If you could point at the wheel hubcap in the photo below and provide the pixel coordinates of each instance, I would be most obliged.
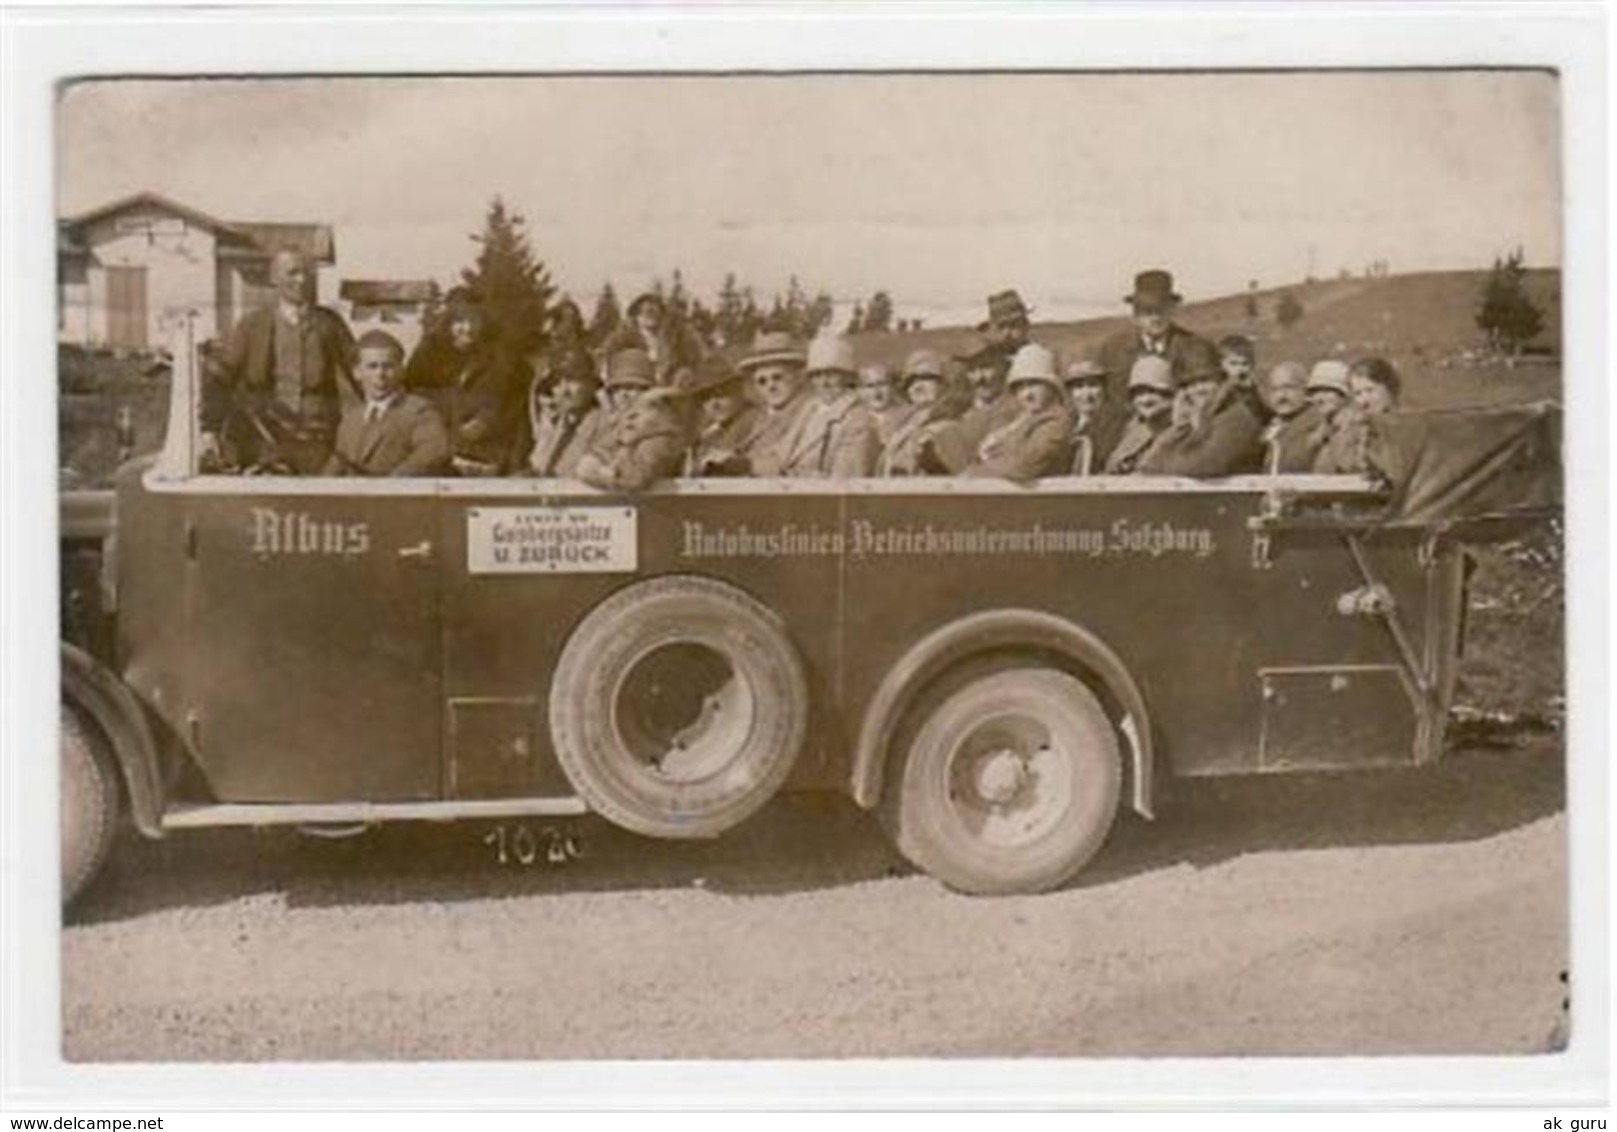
(683, 711)
(1000, 776)
(1010, 781)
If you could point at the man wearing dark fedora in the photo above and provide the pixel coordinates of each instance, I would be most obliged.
(1153, 333)
(1009, 326)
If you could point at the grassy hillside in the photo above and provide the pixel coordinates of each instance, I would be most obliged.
(1423, 323)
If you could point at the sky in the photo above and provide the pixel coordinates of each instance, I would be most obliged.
(937, 188)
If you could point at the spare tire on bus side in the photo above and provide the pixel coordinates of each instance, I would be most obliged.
(678, 707)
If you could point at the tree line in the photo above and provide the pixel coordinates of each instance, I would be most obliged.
(516, 290)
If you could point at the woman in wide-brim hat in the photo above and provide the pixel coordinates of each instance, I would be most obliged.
(723, 417)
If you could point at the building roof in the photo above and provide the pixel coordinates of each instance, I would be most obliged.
(376, 291)
(257, 238)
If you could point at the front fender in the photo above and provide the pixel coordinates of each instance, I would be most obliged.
(115, 710)
(986, 633)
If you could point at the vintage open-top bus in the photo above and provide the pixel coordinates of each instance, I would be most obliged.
(993, 668)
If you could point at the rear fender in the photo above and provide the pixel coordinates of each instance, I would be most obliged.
(114, 709)
(983, 634)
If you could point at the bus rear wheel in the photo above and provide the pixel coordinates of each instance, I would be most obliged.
(89, 799)
(1010, 783)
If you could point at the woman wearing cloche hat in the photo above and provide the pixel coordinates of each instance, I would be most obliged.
(1037, 441)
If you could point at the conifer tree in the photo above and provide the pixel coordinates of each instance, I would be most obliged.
(509, 280)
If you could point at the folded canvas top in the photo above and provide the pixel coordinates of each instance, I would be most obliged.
(1468, 464)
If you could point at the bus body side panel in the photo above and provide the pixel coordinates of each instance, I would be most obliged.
(504, 633)
(1170, 581)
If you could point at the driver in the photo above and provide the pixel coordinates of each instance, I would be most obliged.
(271, 395)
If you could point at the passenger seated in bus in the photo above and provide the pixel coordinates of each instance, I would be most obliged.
(393, 432)
(1151, 395)
(1292, 438)
(1037, 441)
(929, 408)
(879, 390)
(645, 438)
(955, 444)
(1374, 387)
(564, 414)
(1216, 430)
(775, 369)
(838, 439)
(1085, 380)
(477, 385)
(1337, 433)
(722, 418)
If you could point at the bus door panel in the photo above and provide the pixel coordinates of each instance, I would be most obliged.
(313, 617)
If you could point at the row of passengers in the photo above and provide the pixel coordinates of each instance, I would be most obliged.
(811, 422)
(1218, 423)
(804, 418)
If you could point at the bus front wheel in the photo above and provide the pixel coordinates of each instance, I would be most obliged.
(89, 798)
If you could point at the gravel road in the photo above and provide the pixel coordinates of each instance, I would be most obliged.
(1416, 912)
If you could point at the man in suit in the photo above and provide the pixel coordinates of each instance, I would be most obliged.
(272, 394)
(1153, 333)
(392, 432)
(776, 370)
(1293, 436)
(1037, 441)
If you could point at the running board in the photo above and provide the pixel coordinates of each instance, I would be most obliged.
(274, 813)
